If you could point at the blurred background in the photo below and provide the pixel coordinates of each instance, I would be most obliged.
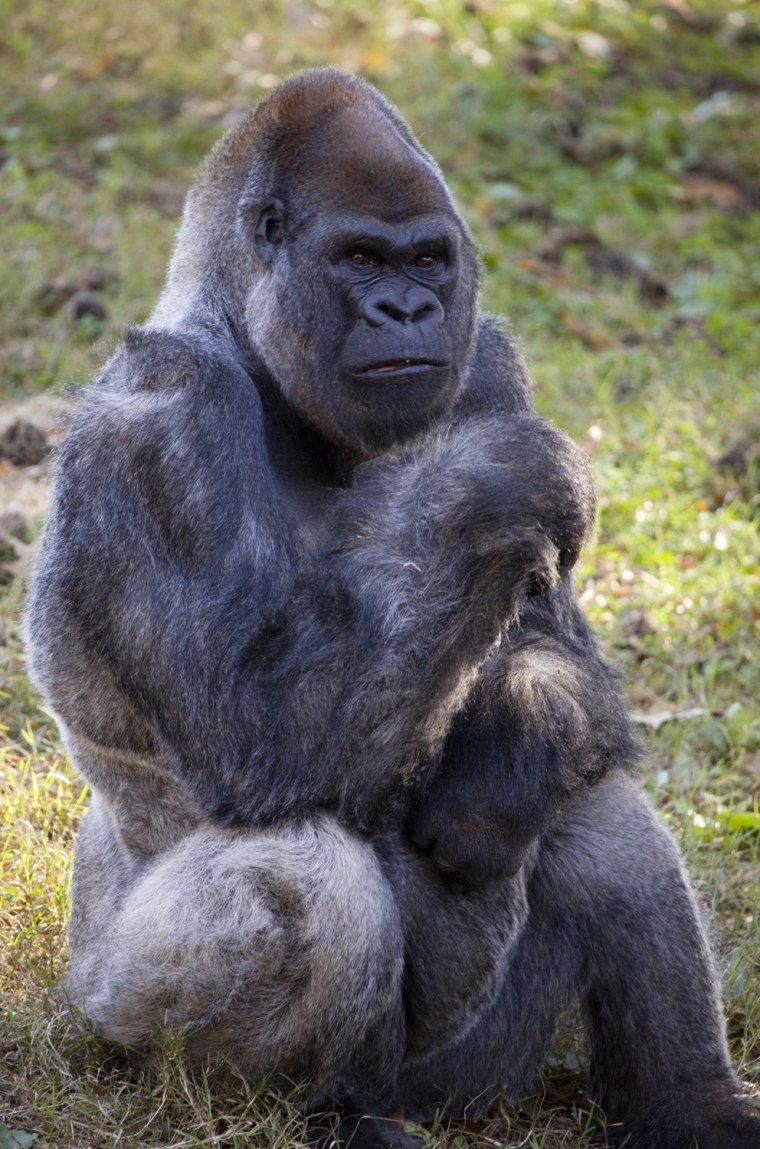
(606, 154)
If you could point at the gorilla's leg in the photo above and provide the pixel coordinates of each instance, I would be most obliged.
(501, 1050)
(650, 991)
(612, 918)
(279, 950)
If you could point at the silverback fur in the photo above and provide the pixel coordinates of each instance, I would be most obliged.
(363, 810)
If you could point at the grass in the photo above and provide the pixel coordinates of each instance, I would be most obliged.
(607, 156)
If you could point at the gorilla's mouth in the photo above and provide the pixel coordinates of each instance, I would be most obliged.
(398, 367)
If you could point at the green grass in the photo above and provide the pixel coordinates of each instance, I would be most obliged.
(607, 157)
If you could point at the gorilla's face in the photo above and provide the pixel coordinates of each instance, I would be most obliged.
(366, 315)
(397, 283)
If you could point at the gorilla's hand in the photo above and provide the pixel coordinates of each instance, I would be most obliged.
(517, 492)
(487, 802)
(528, 476)
(488, 513)
(470, 840)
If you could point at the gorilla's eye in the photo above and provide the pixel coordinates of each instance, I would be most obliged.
(360, 258)
(427, 261)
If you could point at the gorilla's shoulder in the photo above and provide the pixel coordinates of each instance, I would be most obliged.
(157, 375)
(152, 359)
(163, 394)
(497, 379)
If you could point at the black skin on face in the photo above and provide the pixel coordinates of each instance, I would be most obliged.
(383, 334)
(397, 283)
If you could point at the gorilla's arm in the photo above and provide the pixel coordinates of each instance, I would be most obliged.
(545, 716)
(172, 599)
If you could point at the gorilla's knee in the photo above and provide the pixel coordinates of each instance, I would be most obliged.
(258, 946)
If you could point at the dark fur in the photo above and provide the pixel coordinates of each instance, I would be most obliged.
(361, 811)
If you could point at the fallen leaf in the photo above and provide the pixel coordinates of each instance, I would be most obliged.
(593, 335)
(658, 718)
(15, 1138)
(719, 192)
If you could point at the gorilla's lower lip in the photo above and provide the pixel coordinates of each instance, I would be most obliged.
(398, 367)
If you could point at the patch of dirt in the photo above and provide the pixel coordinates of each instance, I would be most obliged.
(25, 490)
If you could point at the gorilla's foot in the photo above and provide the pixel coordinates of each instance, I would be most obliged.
(360, 1123)
(708, 1118)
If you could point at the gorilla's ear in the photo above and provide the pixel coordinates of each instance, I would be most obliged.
(269, 231)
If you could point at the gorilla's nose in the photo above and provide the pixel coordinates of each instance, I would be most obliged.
(401, 305)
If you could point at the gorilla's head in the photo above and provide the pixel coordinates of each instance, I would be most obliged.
(335, 251)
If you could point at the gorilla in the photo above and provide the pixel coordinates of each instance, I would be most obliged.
(363, 811)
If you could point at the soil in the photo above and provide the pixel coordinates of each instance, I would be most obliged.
(25, 490)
